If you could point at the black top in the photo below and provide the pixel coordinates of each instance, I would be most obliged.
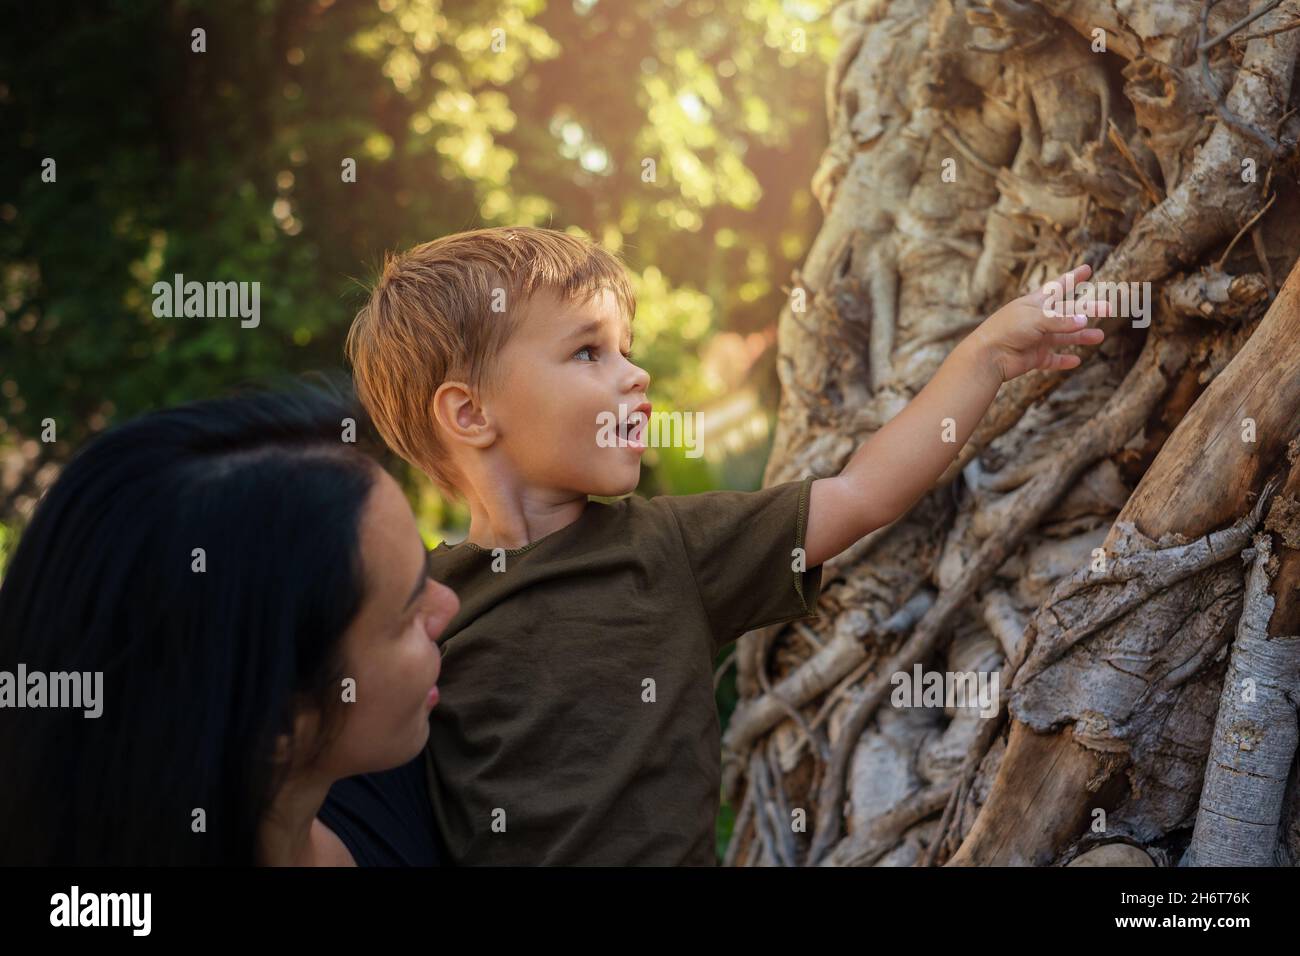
(385, 819)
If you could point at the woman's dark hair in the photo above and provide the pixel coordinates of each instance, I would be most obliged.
(206, 654)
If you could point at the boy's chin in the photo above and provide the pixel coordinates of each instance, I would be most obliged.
(616, 488)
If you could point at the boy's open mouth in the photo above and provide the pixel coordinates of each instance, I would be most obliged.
(631, 430)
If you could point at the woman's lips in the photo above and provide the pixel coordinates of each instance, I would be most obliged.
(432, 700)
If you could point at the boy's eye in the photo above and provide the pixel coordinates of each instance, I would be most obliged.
(591, 352)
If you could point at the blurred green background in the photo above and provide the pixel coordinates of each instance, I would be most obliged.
(226, 165)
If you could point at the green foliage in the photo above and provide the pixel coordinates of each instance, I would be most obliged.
(225, 165)
(7, 541)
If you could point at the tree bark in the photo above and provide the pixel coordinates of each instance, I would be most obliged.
(1091, 545)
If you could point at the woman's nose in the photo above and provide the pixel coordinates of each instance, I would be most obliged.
(443, 607)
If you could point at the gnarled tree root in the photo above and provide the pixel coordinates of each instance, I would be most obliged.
(1255, 737)
(1104, 435)
(1047, 782)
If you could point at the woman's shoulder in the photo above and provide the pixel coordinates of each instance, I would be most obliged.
(327, 848)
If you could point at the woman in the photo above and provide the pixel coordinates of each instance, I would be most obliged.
(252, 589)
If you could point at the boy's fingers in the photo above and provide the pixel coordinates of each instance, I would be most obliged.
(1056, 361)
(1089, 307)
(1055, 287)
(1077, 274)
(1093, 307)
(1062, 323)
(1081, 337)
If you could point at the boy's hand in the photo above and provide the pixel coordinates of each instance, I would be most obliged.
(901, 461)
(1021, 336)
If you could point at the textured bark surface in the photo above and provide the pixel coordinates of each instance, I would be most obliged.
(1119, 544)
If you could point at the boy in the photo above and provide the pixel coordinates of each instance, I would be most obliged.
(577, 723)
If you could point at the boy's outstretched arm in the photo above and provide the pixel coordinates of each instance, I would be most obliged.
(892, 469)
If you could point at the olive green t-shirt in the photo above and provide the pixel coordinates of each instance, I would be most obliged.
(576, 722)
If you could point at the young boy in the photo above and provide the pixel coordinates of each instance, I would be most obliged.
(576, 723)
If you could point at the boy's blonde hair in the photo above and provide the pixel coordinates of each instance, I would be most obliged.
(431, 319)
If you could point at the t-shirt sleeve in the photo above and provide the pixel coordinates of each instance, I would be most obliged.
(745, 551)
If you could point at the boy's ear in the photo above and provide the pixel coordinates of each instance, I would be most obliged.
(457, 412)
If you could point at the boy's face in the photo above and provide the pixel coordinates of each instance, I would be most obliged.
(563, 373)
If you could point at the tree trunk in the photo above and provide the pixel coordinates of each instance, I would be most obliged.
(1118, 546)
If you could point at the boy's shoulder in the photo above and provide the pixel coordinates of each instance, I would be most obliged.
(694, 518)
(739, 552)
(601, 517)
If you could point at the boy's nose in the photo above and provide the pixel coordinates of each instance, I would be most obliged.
(640, 377)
